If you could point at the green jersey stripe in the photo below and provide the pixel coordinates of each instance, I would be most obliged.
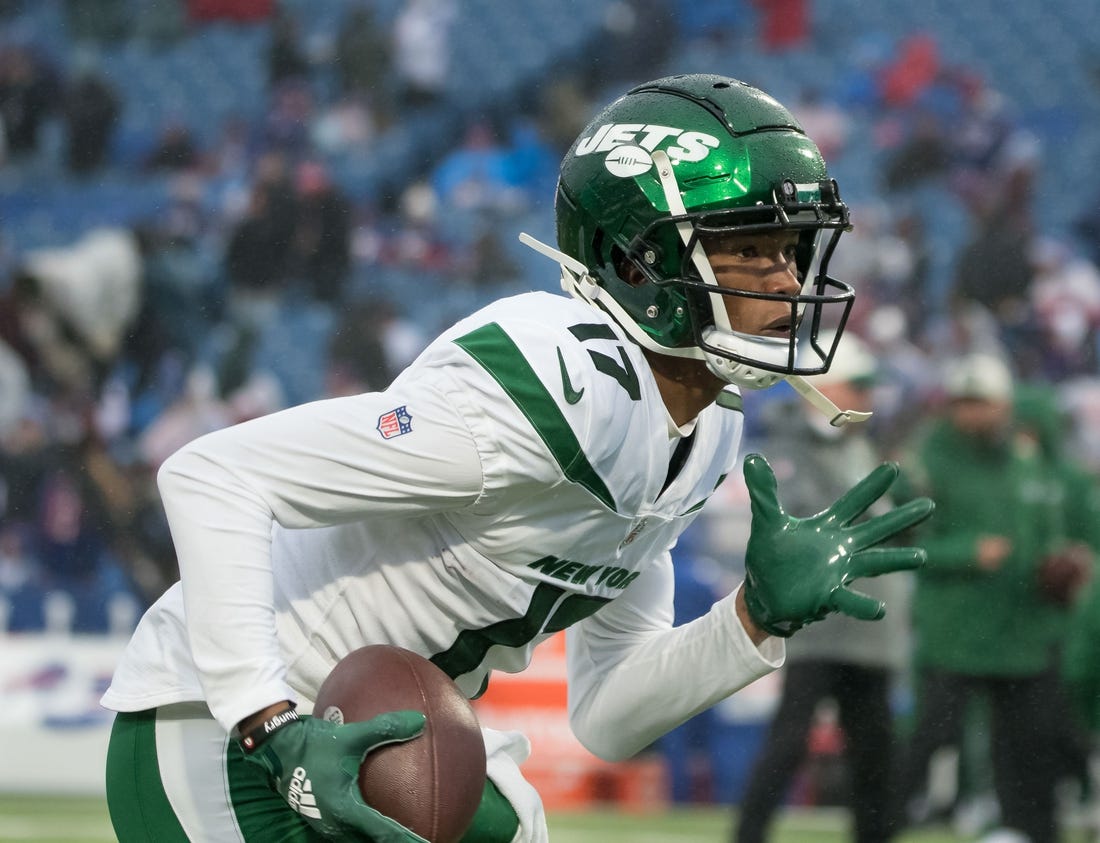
(490, 346)
(551, 609)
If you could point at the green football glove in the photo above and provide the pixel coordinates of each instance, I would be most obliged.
(314, 765)
(797, 570)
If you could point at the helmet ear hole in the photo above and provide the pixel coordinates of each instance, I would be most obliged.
(626, 269)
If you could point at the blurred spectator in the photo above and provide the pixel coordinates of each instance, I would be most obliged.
(239, 11)
(532, 162)
(1080, 669)
(344, 127)
(995, 160)
(994, 268)
(857, 86)
(1080, 664)
(912, 72)
(422, 51)
(1087, 228)
(910, 272)
(837, 659)
(364, 62)
(67, 522)
(357, 357)
(982, 626)
(965, 327)
(160, 23)
(230, 157)
(714, 21)
(882, 258)
(415, 242)
(563, 107)
(29, 90)
(402, 338)
(1065, 297)
(907, 380)
(198, 409)
(783, 24)
(824, 121)
(72, 541)
(286, 126)
(22, 589)
(91, 110)
(175, 149)
(924, 154)
(634, 38)
(259, 248)
(71, 307)
(320, 255)
(488, 262)
(286, 57)
(15, 386)
(1066, 569)
(103, 22)
(481, 174)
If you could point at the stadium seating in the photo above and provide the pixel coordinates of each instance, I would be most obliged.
(1040, 55)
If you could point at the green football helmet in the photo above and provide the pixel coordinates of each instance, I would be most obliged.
(689, 157)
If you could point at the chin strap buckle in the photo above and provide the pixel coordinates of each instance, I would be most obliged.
(837, 416)
(574, 274)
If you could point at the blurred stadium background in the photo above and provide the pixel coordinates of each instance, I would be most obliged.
(210, 209)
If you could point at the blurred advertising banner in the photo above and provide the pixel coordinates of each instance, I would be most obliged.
(53, 728)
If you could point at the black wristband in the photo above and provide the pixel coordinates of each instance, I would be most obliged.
(252, 741)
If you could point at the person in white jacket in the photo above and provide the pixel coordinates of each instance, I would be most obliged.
(528, 473)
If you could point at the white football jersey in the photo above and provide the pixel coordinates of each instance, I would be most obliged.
(514, 481)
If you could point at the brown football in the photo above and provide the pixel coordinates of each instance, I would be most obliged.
(433, 783)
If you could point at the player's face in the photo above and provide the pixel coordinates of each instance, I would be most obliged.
(980, 418)
(762, 262)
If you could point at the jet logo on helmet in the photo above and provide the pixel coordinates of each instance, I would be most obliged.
(642, 139)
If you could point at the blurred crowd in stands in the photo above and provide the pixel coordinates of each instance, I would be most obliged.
(265, 277)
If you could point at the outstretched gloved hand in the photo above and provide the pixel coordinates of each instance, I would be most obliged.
(798, 570)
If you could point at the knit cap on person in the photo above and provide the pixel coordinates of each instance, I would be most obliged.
(979, 375)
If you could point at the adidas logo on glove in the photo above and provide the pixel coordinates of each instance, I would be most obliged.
(300, 795)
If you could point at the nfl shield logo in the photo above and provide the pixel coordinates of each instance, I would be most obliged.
(394, 423)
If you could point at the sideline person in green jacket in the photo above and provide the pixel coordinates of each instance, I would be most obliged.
(981, 624)
(1067, 578)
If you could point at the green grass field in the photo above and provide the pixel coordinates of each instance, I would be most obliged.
(43, 819)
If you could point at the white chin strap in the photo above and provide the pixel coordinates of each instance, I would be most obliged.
(837, 417)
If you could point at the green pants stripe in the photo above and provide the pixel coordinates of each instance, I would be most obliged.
(227, 799)
(141, 811)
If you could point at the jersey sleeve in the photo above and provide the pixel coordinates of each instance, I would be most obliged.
(398, 452)
(633, 676)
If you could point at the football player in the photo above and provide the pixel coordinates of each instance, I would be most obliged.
(528, 473)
